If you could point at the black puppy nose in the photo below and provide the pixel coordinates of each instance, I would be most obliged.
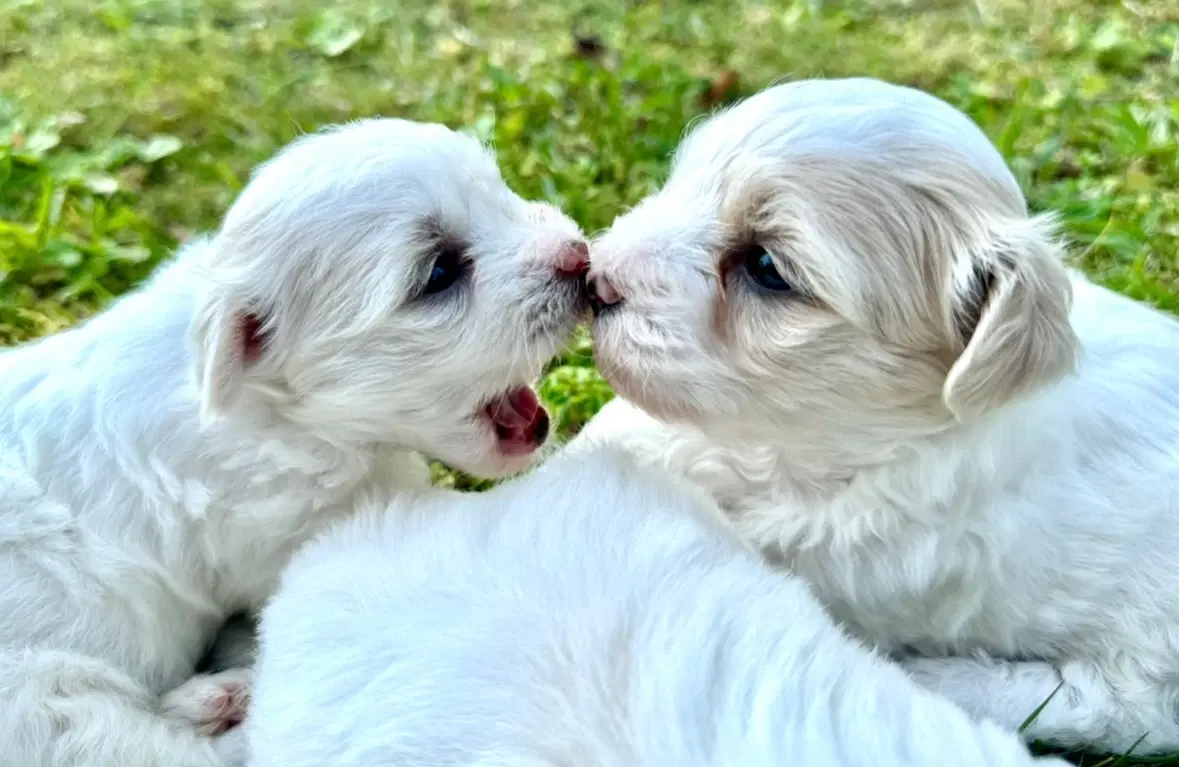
(601, 294)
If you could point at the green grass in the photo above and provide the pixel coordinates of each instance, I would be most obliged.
(126, 125)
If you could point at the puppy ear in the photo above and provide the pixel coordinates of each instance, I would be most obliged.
(227, 339)
(1012, 314)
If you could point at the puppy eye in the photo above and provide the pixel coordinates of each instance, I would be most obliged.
(760, 267)
(446, 271)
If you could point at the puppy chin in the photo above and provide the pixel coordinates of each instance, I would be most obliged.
(484, 458)
(632, 375)
(648, 394)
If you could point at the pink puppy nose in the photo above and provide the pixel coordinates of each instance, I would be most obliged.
(573, 259)
(601, 294)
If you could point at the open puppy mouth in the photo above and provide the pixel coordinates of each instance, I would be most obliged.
(519, 421)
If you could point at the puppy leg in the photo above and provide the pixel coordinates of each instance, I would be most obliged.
(1083, 709)
(211, 703)
(66, 710)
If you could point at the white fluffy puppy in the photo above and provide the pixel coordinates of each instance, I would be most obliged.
(845, 325)
(375, 289)
(587, 614)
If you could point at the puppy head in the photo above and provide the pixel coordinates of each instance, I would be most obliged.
(834, 257)
(379, 283)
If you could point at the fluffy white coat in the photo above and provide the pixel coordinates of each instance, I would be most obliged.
(591, 613)
(842, 322)
(160, 462)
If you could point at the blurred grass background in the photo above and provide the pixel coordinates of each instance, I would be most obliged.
(127, 125)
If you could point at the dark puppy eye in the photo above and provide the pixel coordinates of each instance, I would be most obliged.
(446, 271)
(761, 269)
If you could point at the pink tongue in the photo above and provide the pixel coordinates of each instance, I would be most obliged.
(516, 410)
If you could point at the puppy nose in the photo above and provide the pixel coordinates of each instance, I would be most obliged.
(601, 294)
(573, 259)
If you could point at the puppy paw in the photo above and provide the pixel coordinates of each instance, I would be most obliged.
(212, 703)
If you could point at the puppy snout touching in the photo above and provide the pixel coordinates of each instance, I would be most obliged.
(602, 293)
(573, 259)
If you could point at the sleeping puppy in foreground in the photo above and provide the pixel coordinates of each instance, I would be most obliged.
(375, 293)
(590, 613)
(842, 322)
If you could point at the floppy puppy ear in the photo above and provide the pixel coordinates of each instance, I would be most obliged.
(1012, 314)
(227, 339)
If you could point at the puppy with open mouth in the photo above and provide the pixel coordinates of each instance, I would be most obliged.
(376, 292)
(839, 318)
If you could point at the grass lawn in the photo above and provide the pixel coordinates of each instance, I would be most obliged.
(126, 125)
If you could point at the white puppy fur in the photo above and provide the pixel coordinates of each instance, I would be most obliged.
(591, 613)
(840, 319)
(376, 289)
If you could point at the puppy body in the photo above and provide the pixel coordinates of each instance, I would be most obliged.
(1007, 495)
(140, 507)
(130, 533)
(590, 613)
(1037, 537)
